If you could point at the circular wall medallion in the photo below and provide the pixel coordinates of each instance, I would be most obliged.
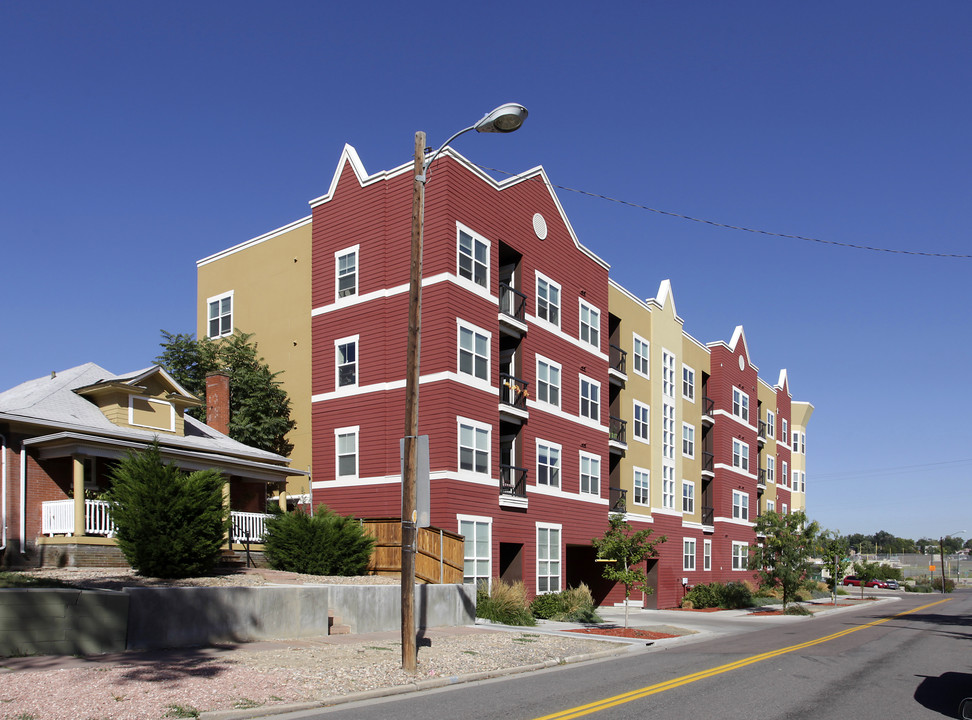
(742, 363)
(540, 226)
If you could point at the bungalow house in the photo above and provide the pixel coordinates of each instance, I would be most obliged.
(60, 435)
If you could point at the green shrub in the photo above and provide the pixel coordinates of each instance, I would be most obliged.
(918, 588)
(702, 596)
(795, 609)
(503, 603)
(570, 605)
(735, 595)
(728, 596)
(546, 606)
(321, 544)
(169, 524)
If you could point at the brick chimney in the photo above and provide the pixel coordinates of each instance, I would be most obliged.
(218, 402)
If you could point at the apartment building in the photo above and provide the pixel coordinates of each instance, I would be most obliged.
(551, 395)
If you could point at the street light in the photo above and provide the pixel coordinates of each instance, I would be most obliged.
(506, 118)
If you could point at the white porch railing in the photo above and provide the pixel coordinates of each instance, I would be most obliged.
(248, 525)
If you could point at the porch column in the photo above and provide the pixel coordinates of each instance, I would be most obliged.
(78, 465)
(282, 500)
(226, 505)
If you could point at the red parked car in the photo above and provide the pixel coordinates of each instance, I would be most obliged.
(856, 581)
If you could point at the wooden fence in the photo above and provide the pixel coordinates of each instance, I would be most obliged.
(439, 556)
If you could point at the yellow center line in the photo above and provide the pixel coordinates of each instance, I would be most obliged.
(610, 702)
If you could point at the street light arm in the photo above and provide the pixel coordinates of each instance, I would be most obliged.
(433, 156)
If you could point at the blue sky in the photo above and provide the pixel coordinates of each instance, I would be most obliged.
(138, 138)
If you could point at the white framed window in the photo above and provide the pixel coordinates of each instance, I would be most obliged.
(740, 455)
(548, 558)
(346, 361)
(474, 446)
(668, 431)
(770, 469)
(642, 478)
(785, 431)
(799, 443)
(688, 497)
(548, 464)
(740, 505)
(770, 423)
(785, 473)
(688, 554)
(706, 554)
(548, 300)
(474, 347)
(668, 487)
(220, 315)
(346, 272)
(740, 555)
(803, 443)
(473, 257)
(740, 404)
(770, 506)
(590, 398)
(641, 425)
(590, 474)
(640, 354)
(590, 325)
(668, 374)
(548, 381)
(688, 383)
(783, 511)
(477, 549)
(346, 453)
(688, 440)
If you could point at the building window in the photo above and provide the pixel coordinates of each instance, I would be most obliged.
(346, 361)
(641, 421)
(220, 315)
(740, 505)
(740, 455)
(346, 446)
(346, 272)
(641, 480)
(590, 324)
(688, 383)
(548, 382)
(548, 464)
(784, 509)
(770, 423)
(590, 474)
(740, 555)
(548, 300)
(688, 497)
(590, 396)
(668, 431)
(770, 469)
(548, 558)
(706, 554)
(640, 355)
(668, 487)
(688, 440)
(477, 553)
(688, 554)
(740, 404)
(474, 447)
(770, 506)
(785, 432)
(785, 470)
(473, 351)
(473, 258)
(668, 374)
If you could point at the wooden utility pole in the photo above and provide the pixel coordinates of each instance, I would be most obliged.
(413, 352)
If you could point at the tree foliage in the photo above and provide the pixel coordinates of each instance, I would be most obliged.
(783, 559)
(168, 523)
(321, 544)
(834, 551)
(867, 571)
(626, 551)
(259, 406)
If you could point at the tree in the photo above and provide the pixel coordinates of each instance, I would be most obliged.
(834, 550)
(168, 523)
(783, 558)
(624, 552)
(866, 572)
(259, 406)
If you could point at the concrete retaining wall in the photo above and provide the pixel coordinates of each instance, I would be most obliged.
(373, 608)
(62, 621)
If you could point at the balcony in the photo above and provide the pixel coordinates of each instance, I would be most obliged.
(708, 464)
(708, 410)
(708, 515)
(761, 432)
(617, 369)
(761, 479)
(618, 435)
(512, 486)
(513, 396)
(617, 499)
(512, 311)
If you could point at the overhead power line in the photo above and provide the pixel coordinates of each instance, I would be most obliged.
(727, 226)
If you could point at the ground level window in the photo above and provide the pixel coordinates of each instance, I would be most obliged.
(476, 555)
(688, 554)
(548, 558)
(740, 555)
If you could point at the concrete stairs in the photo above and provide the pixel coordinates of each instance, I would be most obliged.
(335, 626)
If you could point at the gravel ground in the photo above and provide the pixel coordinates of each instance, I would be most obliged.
(134, 686)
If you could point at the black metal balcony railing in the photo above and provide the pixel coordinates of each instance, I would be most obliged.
(708, 405)
(762, 477)
(618, 499)
(512, 302)
(708, 461)
(513, 481)
(708, 514)
(513, 391)
(618, 358)
(618, 430)
(762, 429)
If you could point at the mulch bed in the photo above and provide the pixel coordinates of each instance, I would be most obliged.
(634, 633)
(697, 609)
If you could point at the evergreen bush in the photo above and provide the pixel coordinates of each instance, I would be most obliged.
(324, 543)
(702, 596)
(169, 524)
(570, 605)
